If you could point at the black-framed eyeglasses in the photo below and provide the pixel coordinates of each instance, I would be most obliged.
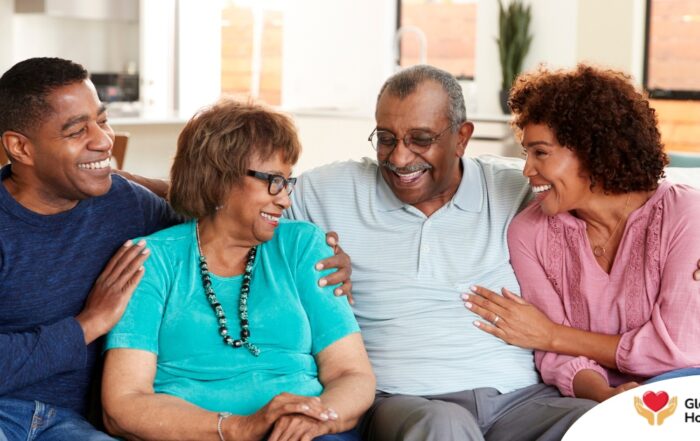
(416, 140)
(275, 183)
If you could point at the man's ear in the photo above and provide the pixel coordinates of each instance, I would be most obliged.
(465, 133)
(17, 147)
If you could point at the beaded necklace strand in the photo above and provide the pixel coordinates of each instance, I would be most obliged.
(244, 341)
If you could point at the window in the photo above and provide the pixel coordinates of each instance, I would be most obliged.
(671, 66)
(672, 58)
(444, 30)
(251, 49)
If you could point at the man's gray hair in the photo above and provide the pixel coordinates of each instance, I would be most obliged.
(406, 81)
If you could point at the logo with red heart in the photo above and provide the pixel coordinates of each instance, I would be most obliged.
(655, 407)
(655, 400)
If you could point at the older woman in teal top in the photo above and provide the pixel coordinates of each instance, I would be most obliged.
(229, 336)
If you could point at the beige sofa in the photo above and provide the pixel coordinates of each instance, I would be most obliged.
(682, 175)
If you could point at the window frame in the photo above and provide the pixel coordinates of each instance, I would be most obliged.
(657, 93)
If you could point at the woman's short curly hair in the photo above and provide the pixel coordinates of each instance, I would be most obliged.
(215, 148)
(599, 115)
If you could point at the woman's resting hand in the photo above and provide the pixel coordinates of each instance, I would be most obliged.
(298, 428)
(511, 319)
(254, 427)
(590, 384)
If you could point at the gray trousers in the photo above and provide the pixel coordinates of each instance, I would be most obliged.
(537, 412)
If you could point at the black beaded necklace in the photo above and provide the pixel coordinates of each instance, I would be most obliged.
(242, 302)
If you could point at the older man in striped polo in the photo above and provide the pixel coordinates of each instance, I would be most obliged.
(423, 224)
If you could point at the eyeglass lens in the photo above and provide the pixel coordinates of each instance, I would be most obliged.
(277, 183)
(387, 140)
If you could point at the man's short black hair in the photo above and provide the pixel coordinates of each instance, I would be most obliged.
(25, 87)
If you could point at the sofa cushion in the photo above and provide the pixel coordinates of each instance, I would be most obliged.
(684, 175)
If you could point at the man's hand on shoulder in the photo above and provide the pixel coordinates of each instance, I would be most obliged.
(112, 290)
(158, 186)
(341, 262)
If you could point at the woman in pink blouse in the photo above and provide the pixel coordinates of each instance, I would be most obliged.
(605, 254)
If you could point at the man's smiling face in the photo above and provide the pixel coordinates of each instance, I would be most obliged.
(425, 178)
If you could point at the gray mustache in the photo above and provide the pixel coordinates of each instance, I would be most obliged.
(407, 169)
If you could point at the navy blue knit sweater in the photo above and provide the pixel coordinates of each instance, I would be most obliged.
(48, 265)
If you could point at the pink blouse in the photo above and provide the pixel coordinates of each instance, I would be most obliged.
(649, 297)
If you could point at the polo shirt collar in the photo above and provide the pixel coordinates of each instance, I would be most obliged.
(469, 195)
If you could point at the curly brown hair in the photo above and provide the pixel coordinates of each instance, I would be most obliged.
(601, 117)
(215, 148)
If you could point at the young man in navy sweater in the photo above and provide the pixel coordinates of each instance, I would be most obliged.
(63, 215)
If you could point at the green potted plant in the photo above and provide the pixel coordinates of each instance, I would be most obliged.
(513, 40)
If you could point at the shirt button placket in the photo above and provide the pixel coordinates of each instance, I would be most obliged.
(425, 248)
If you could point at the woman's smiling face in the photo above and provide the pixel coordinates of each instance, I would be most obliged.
(555, 173)
(250, 204)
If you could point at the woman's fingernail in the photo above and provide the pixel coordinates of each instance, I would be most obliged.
(468, 305)
(304, 407)
(145, 251)
(332, 415)
(319, 266)
(322, 282)
(141, 243)
(473, 288)
(324, 416)
(465, 296)
(477, 324)
(338, 291)
(128, 243)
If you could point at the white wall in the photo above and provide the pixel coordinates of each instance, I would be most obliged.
(612, 34)
(6, 9)
(157, 57)
(198, 55)
(336, 56)
(566, 32)
(100, 45)
(337, 53)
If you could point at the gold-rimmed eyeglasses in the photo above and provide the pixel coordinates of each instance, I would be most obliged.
(416, 140)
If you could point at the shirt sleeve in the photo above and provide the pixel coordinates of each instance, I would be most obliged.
(297, 210)
(140, 324)
(330, 317)
(559, 370)
(669, 339)
(30, 357)
(526, 234)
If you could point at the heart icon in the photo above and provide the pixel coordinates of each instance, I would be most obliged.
(655, 400)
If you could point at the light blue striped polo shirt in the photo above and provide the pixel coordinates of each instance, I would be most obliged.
(409, 271)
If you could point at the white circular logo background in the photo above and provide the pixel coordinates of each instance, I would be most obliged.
(665, 410)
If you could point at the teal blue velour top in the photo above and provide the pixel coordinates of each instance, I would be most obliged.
(291, 320)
